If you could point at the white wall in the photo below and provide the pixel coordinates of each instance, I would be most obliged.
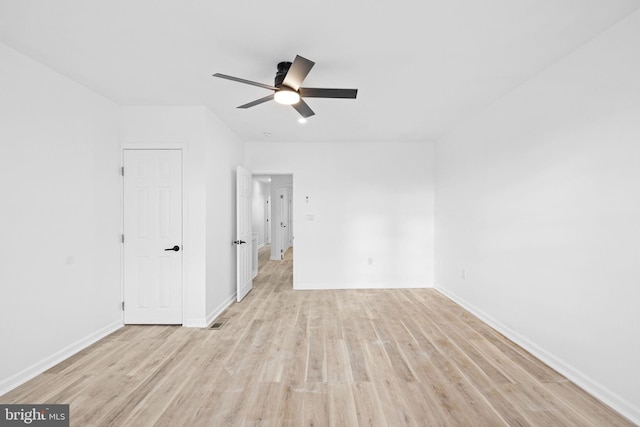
(538, 201)
(224, 151)
(367, 200)
(172, 127)
(210, 152)
(60, 218)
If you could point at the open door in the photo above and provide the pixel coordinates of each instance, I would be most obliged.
(243, 232)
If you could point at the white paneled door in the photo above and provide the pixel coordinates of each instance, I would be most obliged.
(243, 232)
(153, 236)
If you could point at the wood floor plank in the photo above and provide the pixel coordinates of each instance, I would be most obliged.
(294, 358)
(40, 387)
(292, 406)
(396, 409)
(420, 362)
(508, 368)
(359, 369)
(367, 404)
(338, 366)
(539, 406)
(316, 355)
(463, 344)
(509, 412)
(586, 406)
(524, 359)
(154, 394)
(401, 367)
(342, 410)
(231, 409)
(423, 405)
(264, 405)
(315, 405)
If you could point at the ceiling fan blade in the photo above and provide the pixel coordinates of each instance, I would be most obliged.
(249, 82)
(312, 92)
(302, 108)
(257, 102)
(297, 72)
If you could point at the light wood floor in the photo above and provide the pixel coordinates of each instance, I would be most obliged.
(343, 358)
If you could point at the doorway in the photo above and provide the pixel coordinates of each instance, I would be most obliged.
(273, 215)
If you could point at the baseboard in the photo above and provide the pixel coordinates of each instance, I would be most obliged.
(616, 402)
(218, 310)
(203, 322)
(196, 322)
(362, 285)
(39, 367)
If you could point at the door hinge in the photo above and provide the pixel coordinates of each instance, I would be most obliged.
(122, 170)
(122, 305)
(122, 238)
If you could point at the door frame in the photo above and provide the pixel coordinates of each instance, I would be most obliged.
(185, 240)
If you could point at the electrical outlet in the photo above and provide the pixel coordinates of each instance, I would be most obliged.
(463, 273)
(369, 261)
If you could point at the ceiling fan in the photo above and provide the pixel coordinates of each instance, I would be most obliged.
(287, 88)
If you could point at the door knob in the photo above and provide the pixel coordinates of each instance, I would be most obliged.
(175, 248)
(239, 242)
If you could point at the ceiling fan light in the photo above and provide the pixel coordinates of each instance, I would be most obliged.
(286, 97)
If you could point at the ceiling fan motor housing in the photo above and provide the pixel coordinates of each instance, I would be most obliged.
(283, 69)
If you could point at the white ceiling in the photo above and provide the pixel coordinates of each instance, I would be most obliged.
(420, 66)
